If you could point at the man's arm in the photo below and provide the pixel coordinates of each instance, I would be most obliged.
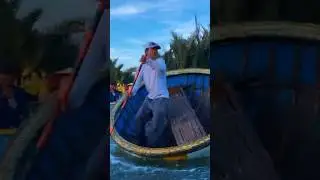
(138, 82)
(159, 64)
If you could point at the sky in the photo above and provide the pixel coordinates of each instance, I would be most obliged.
(132, 22)
(136, 22)
(56, 11)
(59, 10)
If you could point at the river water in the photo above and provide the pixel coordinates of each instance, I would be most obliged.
(126, 167)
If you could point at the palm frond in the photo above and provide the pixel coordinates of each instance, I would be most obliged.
(189, 52)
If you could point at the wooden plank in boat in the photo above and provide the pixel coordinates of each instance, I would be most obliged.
(185, 124)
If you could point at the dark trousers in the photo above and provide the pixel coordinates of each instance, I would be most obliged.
(152, 121)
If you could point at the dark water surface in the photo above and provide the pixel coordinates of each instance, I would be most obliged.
(126, 167)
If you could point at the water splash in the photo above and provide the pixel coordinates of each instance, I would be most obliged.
(124, 166)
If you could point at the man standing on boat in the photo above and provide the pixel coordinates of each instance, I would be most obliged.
(151, 119)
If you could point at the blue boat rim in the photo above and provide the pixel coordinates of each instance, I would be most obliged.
(160, 152)
(268, 28)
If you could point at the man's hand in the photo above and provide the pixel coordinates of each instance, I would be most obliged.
(143, 59)
(129, 93)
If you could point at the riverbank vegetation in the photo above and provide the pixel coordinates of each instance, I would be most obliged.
(184, 52)
(26, 47)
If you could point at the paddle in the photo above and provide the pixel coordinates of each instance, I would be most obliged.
(83, 52)
(125, 101)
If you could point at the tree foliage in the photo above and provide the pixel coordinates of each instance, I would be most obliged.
(190, 52)
(184, 52)
(26, 47)
(119, 75)
(271, 10)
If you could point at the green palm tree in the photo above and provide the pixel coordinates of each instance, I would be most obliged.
(17, 34)
(115, 70)
(127, 75)
(25, 46)
(58, 50)
(191, 52)
(119, 75)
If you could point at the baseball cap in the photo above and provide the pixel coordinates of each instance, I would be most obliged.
(152, 45)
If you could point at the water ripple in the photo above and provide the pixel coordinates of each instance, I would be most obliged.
(124, 166)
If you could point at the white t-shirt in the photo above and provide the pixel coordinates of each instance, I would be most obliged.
(153, 75)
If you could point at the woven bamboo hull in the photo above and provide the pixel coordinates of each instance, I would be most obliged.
(274, 70)
(199, 154)
(195, 149)
(274, 66)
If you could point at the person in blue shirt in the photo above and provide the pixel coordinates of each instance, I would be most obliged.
(14, 101)
(14, 104)
(115, 95)
(154, 77)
